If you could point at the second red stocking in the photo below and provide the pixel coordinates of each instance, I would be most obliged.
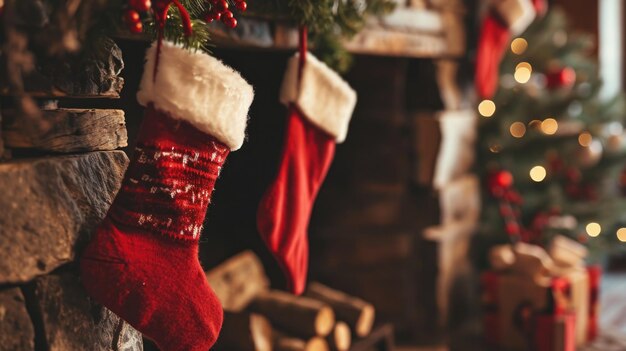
(320, 108)
(505, 18)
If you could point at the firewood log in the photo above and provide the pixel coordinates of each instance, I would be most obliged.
(358, 314)
(284, 342)
(245, 331)
(340, 338)
(297, 315)
(238, 280)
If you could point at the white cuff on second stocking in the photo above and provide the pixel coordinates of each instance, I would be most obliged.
(200, 89)
(517, 14)
(322, 96)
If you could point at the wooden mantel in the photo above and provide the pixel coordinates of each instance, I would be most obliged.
(435, 31)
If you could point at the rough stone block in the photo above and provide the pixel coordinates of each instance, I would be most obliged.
(93, 73)
(71, 321)
(16, 328)
(69, 130)
(50, 207)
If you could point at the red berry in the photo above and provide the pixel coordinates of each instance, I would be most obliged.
(212, 16)
(226, 15)
(561, 78)
(512, 228)
(241, 6)
(132, 17)
(499, 181)
(221, 5)
(140, 5)
(231, 22)
(506, 211)
(136, 27)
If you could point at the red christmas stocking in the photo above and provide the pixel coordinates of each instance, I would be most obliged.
(143, 261)
(320, 108)
(506, 18)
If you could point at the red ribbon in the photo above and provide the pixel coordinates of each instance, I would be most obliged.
(160, 8)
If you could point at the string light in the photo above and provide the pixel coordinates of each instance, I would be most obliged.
(593, 229)
(523, 72)
(538, 173)
(519, 46)
(585, 139)
(487, 108)
(621, 235)
(549, 126)
(495, 148)
(524, 64)
(535, 123)
(517, 129)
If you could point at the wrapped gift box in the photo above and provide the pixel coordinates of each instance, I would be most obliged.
(513, 302)
(531, 291)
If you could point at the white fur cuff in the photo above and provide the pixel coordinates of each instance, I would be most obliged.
(200, 89)
(518, 14)
(323, 96)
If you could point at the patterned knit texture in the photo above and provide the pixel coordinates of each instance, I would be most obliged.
(143, 261)
(168, 187)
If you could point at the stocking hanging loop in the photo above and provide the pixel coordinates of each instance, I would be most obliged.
(302, 48)
(160, 8)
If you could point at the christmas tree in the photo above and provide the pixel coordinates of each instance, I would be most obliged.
(551, 151)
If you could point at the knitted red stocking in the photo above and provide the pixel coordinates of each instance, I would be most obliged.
(143, 261)
(320, 108)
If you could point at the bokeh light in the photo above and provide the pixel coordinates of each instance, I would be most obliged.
(519, 46)
(522, 74)
(621, 235)
(593, 229)
(585, 139)
(487, 108)
(549, 126)
(517, 129)
(538, 173)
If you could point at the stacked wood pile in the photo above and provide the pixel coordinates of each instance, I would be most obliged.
(59, 173)
(259, 319)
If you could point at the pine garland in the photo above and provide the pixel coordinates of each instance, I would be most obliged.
(329, 22)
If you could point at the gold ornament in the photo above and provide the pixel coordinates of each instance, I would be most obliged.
(589, 156)
(614, 142)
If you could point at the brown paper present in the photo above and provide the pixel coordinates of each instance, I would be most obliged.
(509, 297)
(529, 277)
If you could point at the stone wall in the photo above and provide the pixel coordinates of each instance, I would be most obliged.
(59, 173)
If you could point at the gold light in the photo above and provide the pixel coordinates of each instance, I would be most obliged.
(535, 124)
(495, 148)
(621, 235)
(517, 129)
(487, 108)
(524, 65)
(549, 126)
(523, 72)
(593, 229)
(538, 173)
(585, 139)
(519, 45)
